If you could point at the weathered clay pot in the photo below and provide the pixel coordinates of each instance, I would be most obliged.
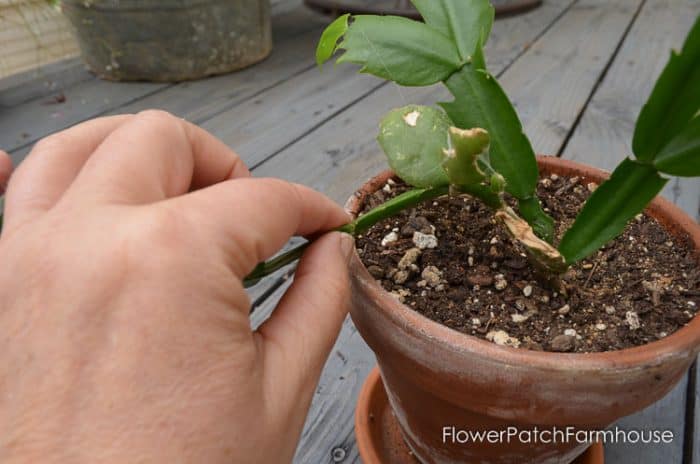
(437, 377)
(169, 40)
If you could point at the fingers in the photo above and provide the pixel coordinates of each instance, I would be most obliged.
(299, 335)
(155, 156)
(5, 170)
(52, 165)
(251, 219)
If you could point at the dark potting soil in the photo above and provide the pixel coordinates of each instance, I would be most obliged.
(451, 262)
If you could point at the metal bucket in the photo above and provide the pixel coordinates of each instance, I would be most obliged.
(169, 40)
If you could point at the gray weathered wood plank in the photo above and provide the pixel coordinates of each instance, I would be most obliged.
(44, 81)
(551, 85)
(29, 121)
(295, 36)
(262, 126)
(603, 137)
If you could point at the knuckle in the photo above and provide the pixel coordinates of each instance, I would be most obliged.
(159, 117)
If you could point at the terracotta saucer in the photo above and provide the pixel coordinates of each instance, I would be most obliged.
(379, 438)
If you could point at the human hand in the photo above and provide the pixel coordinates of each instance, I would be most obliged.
(124, 328)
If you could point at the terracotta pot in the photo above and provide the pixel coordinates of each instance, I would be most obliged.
(437, 377)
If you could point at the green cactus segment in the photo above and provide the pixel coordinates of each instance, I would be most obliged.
(330, 37)
(467, 22)
(481, 102)
(414, 139)
(608, 210)
(541, 222)
(681, 156)
(674, 101)
(498, 183)
(461, 158)
(407, 52)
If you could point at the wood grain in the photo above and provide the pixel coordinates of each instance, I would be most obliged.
(25, 123)
(603, 137)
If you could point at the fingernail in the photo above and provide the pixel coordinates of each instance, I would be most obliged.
(347, 245)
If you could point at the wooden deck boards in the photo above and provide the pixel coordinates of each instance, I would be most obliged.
(578, 71)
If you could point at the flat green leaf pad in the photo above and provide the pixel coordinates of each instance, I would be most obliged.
(681, 156)
(467, 22)
(398, 49)
(329, 39)
(414, 139)
(674, 101)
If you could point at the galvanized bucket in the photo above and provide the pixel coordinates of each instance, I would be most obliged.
(170, 40)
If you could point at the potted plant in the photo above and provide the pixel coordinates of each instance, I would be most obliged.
(169, 40)
(502, 292)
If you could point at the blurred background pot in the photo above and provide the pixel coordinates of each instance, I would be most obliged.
(169, 40)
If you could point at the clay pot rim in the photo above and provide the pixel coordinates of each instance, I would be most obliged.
(684, 341)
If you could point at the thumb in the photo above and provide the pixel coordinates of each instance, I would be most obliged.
(298, 337)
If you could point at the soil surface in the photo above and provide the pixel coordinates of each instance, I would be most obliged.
(452, 263)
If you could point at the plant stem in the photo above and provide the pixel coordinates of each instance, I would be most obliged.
(361, 224)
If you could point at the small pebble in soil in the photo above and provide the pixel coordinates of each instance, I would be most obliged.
(387, 188)
(501, 337)
(527, 291)
(632, 320)
(570, 332)
(480, 277)
(424, 241)
(600, 326)
(610, 310)
(409, 258)
(391, 237)
(401, 294)
(401, 276)
(500, 282)
(417, 224)
(519, 318)
(476, 322)
(432, 276)
(564, 310)
(563, 343)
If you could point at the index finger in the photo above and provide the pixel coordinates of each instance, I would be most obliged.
(155, 156)
(251, 219)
